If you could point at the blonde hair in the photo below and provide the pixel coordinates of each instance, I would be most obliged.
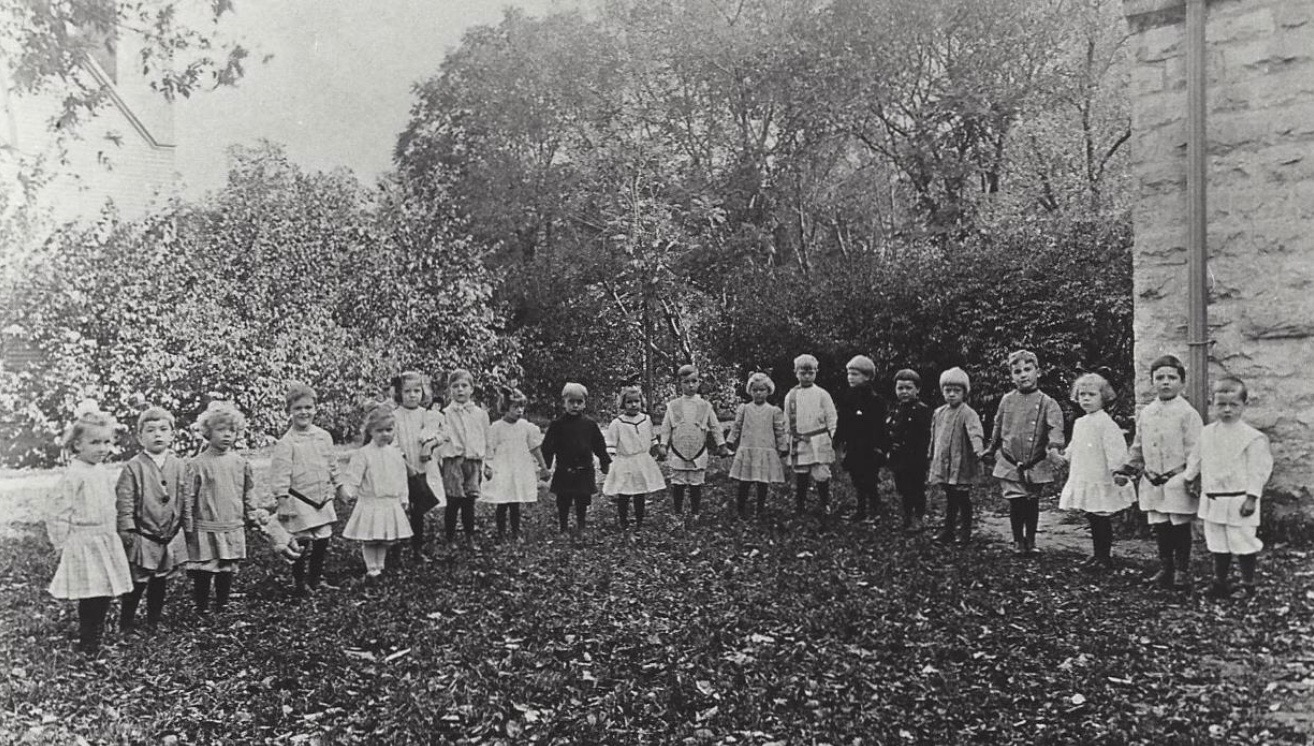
(1099, 383)
(806, 361)
(86, 416)
(574, 391)
(956, 377)
(375, 416)
(762, 378)
(624, 393)
(217, 413)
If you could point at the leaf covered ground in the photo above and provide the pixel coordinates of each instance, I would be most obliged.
(773, 631)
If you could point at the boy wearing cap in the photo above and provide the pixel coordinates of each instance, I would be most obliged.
(1027, 435)
(862, 441)
(957, 447)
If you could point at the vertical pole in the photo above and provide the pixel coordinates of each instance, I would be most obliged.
(1197, 230)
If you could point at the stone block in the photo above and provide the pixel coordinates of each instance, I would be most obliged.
(1230, 23)
(1160, 43)
(1147, 78)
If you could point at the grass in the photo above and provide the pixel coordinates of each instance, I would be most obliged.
(734, 633)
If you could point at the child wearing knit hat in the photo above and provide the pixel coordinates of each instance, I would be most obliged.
(957, 447)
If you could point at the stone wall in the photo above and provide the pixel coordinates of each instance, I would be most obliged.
(1260, 61)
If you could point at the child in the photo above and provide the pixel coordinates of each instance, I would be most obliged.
(514, 462)
(861, 436)
(910, 436)
(150, 517)
(689, 422)
(572, 440)
(1097, 454)
(303, 478)
(1028, 430)
(80, 523)
(1232, 462)
(631, 443)
(463, 454)
(1167, 430)
(957, 445)
(376, 477)
(418, 431)
(760, 439)
(810, 414)
(218, 494)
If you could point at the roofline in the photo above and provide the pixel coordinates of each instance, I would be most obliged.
(103, 78)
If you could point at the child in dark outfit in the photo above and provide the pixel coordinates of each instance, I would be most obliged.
(861, 436)
(910, 438)
(572, 440)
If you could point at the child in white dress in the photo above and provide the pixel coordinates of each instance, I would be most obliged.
(631, 442)
(760, 439)
(81, 522)
(1097, 456)
(512, 463)
(376, 479)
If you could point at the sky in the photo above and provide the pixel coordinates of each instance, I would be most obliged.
(337, 90)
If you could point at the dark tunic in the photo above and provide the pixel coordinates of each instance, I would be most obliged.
(572, 441)
(910, 437)
(861, 430)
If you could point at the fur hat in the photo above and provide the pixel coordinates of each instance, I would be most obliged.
(862, 364)
(956, 377)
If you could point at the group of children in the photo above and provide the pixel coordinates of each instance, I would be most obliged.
(124, 537)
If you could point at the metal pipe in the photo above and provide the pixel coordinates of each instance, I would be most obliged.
(1197, 330)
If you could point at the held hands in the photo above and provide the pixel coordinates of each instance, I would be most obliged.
(1248, 507)
(341, 492)
(488, 472)
(289, 552)
(1120, 479)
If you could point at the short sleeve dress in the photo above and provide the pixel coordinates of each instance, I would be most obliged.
(633, 469)
(376, 475)
(81, 525)
(510, 458)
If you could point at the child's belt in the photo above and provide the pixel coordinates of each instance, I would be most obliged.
(155, 537)
(1212, 495)
(316, 505)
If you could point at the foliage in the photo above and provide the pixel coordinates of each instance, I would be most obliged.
(284, 276)
(764, 633)
(1061, 290)
(638, 169)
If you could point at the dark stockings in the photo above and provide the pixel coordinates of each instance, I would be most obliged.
(459, 507)
(1023, 517)
(1101, 536)
(623, 509)
(564, 502)
(91, 622)
(501, 512)
(154, 591)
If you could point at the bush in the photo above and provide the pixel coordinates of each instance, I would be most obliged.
(282, 276)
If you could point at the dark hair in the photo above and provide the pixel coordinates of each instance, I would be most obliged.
(910, 375)
(1168, 361)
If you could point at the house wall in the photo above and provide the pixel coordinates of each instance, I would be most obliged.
(1260, 172)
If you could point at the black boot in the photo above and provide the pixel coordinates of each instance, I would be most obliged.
(1221, 587)
(1247, 564)
(1164, 537)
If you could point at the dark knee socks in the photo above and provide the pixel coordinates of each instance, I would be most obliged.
(639, 505)
(201, 589)
(128, 606)
(91, 621)
(1101, 535)
(1023, 517)
(1165, 538)
(461, 508)
(154, 590)
(741, 499)
(677, 498)
(223, 584)
(563, 512)
(623, 510)
(1182, 546)
(564, 502)
(761, 497)
(695, 498)
(417, 527)
(957, 511)
(801, 482)
(502, 512)
(1247, 564)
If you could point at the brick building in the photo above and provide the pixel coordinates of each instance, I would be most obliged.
(1260, 175)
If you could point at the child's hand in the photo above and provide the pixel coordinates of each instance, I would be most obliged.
(724, 451)
(1248, 507)
(488, 472)
(661, 452)
(341, 492)
(1120, 480)
(126, 537)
